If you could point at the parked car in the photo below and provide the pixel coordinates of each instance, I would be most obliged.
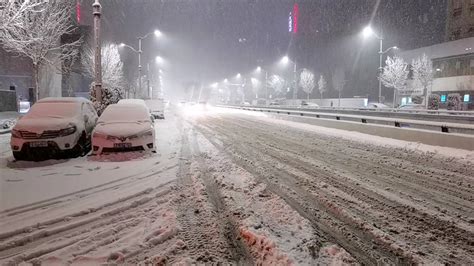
(306, 104)
(124, 127)
(412, 106)
(377, 105)
(156, 107)
(53, 128)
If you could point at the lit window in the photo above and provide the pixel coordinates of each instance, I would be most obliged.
(466, 98)
(443, 98)
(409, 100)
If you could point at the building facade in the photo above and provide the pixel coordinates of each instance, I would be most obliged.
(459, 19)
(453, 67)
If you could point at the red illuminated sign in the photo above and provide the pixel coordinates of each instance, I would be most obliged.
(78, 12)
(296, 13)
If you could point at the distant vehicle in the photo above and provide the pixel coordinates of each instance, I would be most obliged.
(275, 102)
(411, 106)
(53, 128)
(246, 103)
(377, 105)
(124, 127)
(306, 104)
(156, 107)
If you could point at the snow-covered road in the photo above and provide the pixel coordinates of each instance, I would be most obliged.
(234, 186)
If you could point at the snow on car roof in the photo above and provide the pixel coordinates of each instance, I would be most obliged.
(124, 112)
(63, 99)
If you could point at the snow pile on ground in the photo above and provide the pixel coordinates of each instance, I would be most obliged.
(7, 124)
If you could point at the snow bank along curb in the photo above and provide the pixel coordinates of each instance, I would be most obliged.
(452, 140)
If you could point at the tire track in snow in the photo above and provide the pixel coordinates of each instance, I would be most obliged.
(276, 143)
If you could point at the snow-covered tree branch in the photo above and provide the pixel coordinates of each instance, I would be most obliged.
(307, 81)
(395, 74)
(36, 34)
(277, 83)
(113, 81)
(112, 66)
(12, 12)
(322, 85)
(423, 74)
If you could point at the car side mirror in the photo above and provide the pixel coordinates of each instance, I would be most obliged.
(86, 118)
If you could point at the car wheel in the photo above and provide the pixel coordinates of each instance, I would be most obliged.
(19, 156)
(81, 147)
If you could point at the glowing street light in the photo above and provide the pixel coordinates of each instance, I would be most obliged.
(158, 33)
(368, 32)
(159, 60)
(238, 75)
(259, 69)
(285, 59)
(214, 85)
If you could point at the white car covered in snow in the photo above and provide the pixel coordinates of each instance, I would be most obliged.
(124, 127)
(54, 127)
(156, 107)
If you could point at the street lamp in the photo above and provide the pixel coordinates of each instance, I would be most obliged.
(159, 60)
(259, 70)
(97, 11)
(285, 60)
(158, 34)
(368, 32)
(238, 75)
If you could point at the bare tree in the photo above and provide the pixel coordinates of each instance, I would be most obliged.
(112, 66)
(307, 81)
(277, 83)
(322, 85)
(339, 81)
(394, 75)
(423, 74)
(37, 36)
(12, 11)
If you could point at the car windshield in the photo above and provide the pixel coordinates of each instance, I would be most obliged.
(237, 132)
(54, 110)
(119, 114)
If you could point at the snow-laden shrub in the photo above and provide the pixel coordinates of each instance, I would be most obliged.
(454, 101)
(417, 99)
(109, 96)
(434, 101)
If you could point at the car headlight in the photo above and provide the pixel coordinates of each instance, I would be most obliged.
(68, 131)
(16, 133)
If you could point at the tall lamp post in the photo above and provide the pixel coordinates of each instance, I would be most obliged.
(285, 60)
(259, 70)
(96, 11)
(157, 33)
(367, 32)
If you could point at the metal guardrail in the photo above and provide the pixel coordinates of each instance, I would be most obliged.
(464, 117)
(439, 126)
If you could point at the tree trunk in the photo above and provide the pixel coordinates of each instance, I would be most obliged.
(308, 95)
(394, 97)
(426, 98)
(37, 88)
(339, 103)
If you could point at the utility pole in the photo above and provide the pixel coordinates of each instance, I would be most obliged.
(380, 68)
(148, 80)
(295, 90)
(139, 64)
(96, 7)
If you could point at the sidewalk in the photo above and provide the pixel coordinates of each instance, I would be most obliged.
(7, 121)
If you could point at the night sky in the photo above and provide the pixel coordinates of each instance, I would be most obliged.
(202, 37)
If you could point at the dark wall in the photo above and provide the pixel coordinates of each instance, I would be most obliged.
(8, 101)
